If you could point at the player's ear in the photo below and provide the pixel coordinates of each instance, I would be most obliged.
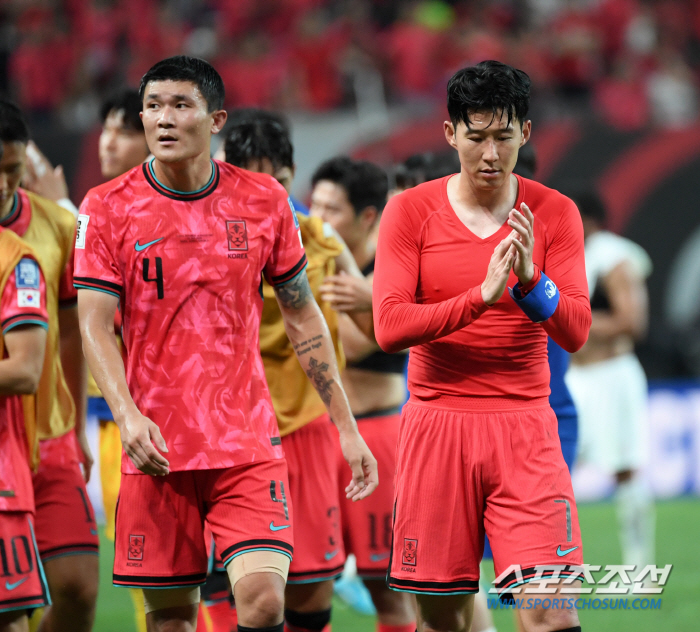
(368, 216)
(527, 128)
(218, 120)
(450, 134)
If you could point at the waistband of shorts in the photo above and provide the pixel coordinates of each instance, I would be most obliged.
(480, 404)
(382, 412)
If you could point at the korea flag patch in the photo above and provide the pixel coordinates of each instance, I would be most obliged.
(28, 298)
(27, 275)
(83, 221)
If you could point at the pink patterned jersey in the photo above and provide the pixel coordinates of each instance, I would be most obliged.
(22, 302)
(187, 268)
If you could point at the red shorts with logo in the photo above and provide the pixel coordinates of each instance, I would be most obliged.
(160, 540)
(313, 485)
(22, 585)
(461, 473)
(64, 520)
(367, 523)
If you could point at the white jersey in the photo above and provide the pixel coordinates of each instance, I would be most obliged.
(605, 250)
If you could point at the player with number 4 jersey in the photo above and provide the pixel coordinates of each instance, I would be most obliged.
(182, 244)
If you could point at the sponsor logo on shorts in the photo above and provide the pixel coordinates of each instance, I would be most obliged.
(329, 555)
(237, 234)
(410, 550)
(136, 543)
(561, 553)
(378, 557)
(9, 586)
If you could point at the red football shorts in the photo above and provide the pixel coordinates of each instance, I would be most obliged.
(313, 485)
(23, 585)
(461, 473)
(160, 539)
(64, 520)
(367, 523)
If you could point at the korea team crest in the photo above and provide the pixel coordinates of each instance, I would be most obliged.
(410, 550)
(136, 543)
(237, 234)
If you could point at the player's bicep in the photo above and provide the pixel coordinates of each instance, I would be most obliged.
(294, 295)
(96, 311)
(26, 345)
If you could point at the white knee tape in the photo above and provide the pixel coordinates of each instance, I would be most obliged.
(162, 598)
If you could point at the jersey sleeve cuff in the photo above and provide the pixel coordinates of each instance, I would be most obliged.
(90, 283)
(24, 319)
(540, 302)
(281, 279)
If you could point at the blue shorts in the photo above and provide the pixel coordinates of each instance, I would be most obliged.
(97, 406)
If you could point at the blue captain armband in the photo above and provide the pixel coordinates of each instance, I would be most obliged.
(540, 302)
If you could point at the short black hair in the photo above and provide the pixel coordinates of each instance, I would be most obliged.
(183, 68)
(527, 162)
(365, 183)
(13, 125)
(588, 201)
(425, 167)
(488, 86)
(127, 101)
(256, 134)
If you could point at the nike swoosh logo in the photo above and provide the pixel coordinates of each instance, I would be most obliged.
(378, 557)
(138, 247)
(329, 555)
(561, 553)
(9, 586)
(274, 527)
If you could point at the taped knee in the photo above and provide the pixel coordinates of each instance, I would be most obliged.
(162, 598)
(257, 562)
(307, 621)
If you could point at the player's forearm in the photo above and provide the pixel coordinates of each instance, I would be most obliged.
(400, 325)
(107, 367)
(73, 363)
(570, 323)
(313, 345)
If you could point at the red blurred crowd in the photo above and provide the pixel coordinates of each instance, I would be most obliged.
(635, 62)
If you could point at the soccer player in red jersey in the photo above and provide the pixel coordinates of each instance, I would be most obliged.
(183, 243)
(478, 446)
(66, 531)
(24, 322)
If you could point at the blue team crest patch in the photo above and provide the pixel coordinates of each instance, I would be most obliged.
(27, 275)
(294, 213)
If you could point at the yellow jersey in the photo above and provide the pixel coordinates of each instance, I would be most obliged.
(12, 251)
(294, 398)
(50, 231)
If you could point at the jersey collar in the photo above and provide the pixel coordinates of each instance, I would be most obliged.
(18, 218)
(185, 196)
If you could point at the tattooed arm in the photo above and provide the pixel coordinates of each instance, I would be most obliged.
(308, 333)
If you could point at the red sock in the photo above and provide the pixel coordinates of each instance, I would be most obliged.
(220, 614)
(383, 627)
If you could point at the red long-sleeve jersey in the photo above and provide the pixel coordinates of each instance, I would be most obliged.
(427, 296)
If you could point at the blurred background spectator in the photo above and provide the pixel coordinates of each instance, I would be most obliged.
(641, 57)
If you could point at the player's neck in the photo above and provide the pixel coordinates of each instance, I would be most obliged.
(186, 176)
(490, 200)
(7, 208)
(363, 253)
